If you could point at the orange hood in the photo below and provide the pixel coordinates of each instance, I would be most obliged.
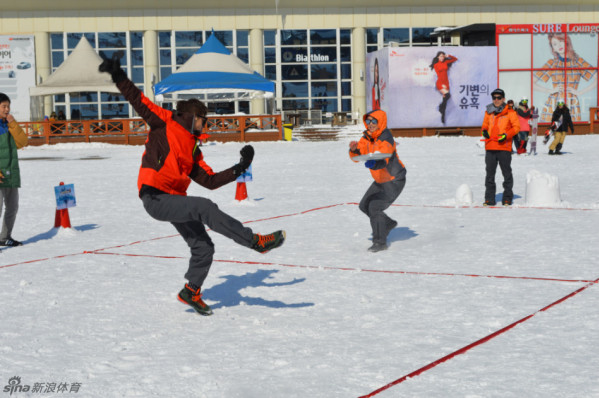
(381, 117)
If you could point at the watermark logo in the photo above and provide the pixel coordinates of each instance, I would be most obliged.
(14, 386)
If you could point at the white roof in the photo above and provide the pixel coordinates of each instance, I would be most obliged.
(79, 72)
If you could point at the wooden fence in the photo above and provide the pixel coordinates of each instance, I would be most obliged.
(134, 131)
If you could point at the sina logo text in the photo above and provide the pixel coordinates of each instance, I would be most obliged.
(14, 385)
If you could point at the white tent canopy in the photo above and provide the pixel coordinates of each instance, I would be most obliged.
(79, 72)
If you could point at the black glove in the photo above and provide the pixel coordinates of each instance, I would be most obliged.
(502, 138)
(247, 155)
(113, 66)
(486, 134)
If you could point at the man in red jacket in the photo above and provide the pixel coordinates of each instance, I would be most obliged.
(171, 160)
(500, 125)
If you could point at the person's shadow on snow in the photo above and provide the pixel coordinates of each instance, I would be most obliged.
(228, 293)
(401, 233)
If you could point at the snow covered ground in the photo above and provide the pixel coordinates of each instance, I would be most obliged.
(467, 301)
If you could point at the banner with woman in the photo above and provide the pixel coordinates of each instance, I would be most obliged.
(432, 86)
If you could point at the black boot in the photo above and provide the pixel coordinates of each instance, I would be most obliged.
(558, 149)
(551, 152)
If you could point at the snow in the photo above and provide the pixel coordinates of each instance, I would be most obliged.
(320, 316)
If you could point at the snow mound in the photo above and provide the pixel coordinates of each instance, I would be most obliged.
(542, 189)
(463, 195)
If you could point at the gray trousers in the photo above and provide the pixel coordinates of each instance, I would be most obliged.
(188, 214)
(376, 199)
(10, 198)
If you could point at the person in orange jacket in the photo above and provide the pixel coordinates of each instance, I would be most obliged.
(389, 176)
(499, 127)
(171, 160)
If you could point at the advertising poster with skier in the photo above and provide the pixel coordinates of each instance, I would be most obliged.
(17, 72)
(442, 86)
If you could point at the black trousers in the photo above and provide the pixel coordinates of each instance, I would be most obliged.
(188, 214)
(504, 159)
(377, 198)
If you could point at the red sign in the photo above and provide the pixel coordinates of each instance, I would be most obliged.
(548, 28)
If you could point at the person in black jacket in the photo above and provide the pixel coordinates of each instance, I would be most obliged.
(561, 116)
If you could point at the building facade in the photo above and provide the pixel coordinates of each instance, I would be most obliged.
(315, 54)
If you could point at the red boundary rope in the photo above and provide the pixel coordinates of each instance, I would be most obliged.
(476, 343)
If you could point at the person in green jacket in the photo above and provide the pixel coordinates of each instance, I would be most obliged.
(12, 137)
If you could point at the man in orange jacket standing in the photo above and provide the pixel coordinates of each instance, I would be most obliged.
(500, 125)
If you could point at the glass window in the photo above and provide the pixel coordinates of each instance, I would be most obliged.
(137, 75)
(293, 37)
(225, 37)
(398, 35)
(164, 39)
(515, 84)
(74, 38)
(323, 71)
(136, 39)
(346, 88)
(112, 40)
(346, 104)
(345, 54)
(323, 54)
(323, 36)
(295, 104)
(294, 54)
(346, 71)
(325, 104)
(295, 89)
(270, 37)
(371, 49)
(423, 36)
(270, 72)
(57, 59)
(87, 96)
(137, 58)
(115, 111)
(372, 36)
(242, 38)
(182, 55)
(165, 57)
(345, 36)
(56, 40)
(270, 55)
(165, 72)
(243, 54)
(324, 89)
(189, 39)
(294, 72)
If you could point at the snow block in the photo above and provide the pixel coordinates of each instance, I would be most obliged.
(463, 196)
(542, 189)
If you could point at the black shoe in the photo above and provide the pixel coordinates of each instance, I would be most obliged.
(489, 203)
(551, 152)
(377, 247)
(390, 226)
(193, 298)
(264, 243)
(506, 202)
(10, 242)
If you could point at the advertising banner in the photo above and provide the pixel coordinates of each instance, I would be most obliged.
(431, 86)
(17, 72)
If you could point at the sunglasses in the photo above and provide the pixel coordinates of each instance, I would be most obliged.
(373, 121)
(497, 97)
